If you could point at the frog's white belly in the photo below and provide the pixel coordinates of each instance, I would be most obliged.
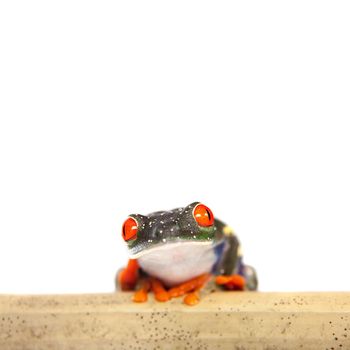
(175, 263)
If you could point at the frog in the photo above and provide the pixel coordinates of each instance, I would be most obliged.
(174, 253)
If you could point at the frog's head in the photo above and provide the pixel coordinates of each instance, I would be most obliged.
(192, 224)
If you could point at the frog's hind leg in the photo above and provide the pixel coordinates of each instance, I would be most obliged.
(251, 277)
(232, 273)
(245, 279)
(232, 282)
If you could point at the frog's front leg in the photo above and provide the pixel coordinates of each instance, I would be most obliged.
(147, 284)
(159, 291)
(141, 295)
(191, 288)
(128, 277)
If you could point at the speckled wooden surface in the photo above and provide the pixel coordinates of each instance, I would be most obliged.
(223, 320)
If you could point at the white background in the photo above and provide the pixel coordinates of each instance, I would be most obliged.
(110, 108)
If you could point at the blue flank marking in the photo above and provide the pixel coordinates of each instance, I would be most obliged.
(218, 250)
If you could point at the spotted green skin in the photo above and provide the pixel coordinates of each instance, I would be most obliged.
(178, 225)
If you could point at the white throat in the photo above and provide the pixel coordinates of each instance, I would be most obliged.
(175, 263)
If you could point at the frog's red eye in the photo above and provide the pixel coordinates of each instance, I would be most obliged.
(203, 215)
(130, 228)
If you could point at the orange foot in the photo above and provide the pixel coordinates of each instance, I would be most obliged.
(141, 295)
(190, 289)
(231, 282)
(157, 288)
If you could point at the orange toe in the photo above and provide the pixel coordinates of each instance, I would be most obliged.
(140, 296)
(162, 296)
(222, 279)
(191, 299)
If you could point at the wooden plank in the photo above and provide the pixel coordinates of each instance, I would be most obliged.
(222, 320)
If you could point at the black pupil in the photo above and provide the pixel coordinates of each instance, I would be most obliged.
(209, 216)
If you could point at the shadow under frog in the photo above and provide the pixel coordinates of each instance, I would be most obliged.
(174, 253)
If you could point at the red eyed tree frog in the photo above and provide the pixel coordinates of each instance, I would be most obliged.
(174, 253)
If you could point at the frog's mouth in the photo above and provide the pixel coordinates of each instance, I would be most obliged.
(167, 247)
